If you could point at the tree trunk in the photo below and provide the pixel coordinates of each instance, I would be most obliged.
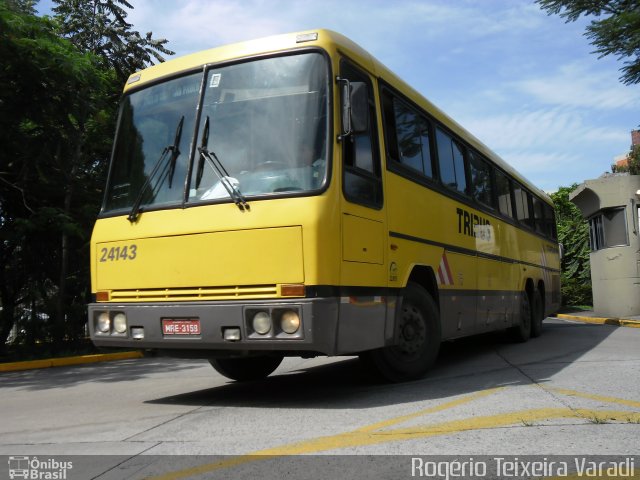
(61, 303)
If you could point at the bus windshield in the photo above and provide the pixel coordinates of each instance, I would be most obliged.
(264, 121)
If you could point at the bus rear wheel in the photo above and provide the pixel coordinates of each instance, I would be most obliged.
(521, 332)
(246, 369)
(417, 339)
(537, 314)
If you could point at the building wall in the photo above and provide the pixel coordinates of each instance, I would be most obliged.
(615, 270)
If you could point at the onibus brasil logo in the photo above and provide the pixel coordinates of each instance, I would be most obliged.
(35, 469)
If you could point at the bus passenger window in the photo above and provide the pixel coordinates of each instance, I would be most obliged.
(407, 129)
(451, 162)
(503, 192)
(523, 206)
(481, 185)
(412, 139)
(538, 215)
(550, 222)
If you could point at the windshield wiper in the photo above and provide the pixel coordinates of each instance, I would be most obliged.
(175, 151)
(168, 169)
(219, 170)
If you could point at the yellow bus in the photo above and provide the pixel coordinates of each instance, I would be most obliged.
(290, 196)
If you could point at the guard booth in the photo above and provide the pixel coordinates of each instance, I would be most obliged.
(611, 205)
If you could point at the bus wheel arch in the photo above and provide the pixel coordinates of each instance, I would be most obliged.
(426, 278)
(417, 338)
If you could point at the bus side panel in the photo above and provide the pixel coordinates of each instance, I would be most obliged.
(427, 230)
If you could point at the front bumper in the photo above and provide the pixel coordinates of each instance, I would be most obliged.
(318, 330)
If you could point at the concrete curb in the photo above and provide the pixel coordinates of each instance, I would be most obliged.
(618, 322)
(66, 361)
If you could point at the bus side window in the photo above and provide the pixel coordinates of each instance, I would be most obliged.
(550, 222)
(451, 162)
(523, 206)
(390, 132)
(362, 182)
(538, 215)
(503, 192)
(407, 135)
(481, 179)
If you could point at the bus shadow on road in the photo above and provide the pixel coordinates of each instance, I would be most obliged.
(464, 366)
(107, 372)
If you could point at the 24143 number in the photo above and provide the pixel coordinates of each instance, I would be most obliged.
(114, 254)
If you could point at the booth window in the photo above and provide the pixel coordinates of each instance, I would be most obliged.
(608, 229)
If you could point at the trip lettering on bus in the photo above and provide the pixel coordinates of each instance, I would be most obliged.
(473, 225)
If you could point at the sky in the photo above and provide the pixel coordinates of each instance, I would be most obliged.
(525, 83)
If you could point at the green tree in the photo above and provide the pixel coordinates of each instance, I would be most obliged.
(615, 32)
(573, 234)
(100, 27)
(633, 164)
(23, 6)
(60, 80)
(42, 112)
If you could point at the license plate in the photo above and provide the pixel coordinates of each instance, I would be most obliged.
(181, 326)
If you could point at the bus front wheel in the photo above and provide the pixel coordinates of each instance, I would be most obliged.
(417, 339)
(246, 369)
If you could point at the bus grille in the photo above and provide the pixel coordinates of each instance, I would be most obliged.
(194, 294)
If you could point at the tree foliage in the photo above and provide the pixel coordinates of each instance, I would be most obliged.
(633, 162)
(573, 234)
(42, 123)
(58, 103)
(100, 27)
(615, 32)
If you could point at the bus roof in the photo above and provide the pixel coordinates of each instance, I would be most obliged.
(332, 42)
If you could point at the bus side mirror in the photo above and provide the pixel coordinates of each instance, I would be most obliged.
(355, 107)
(561, 250)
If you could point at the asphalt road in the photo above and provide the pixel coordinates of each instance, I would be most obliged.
(573, 391)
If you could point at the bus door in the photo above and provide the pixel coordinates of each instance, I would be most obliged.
(364, 240)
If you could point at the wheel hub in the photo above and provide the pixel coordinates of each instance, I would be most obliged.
(412, 331)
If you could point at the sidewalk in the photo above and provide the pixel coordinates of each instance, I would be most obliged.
(589, 316)
(66, 361)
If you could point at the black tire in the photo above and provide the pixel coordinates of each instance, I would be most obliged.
(537, 314)
(521, 332)
(417, 339)
(246, 368)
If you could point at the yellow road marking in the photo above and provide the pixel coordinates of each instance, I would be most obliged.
(285, 450)
(374, 434)
(427, 411)
(358, 438)
(591, 396)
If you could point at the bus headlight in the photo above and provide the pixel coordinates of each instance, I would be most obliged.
(120, 322)
(290, 321)
(262, 323)
(103, 323)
